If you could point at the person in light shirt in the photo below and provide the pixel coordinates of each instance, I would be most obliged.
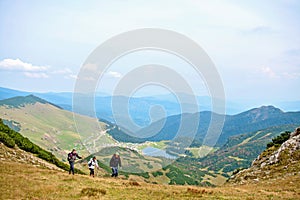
(92, 164)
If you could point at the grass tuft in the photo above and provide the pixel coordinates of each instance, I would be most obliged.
(92, 192)
(134, 183)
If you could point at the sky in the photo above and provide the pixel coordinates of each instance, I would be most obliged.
(255, 45)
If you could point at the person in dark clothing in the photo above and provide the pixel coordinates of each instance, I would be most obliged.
(114, 163)
(71, 158)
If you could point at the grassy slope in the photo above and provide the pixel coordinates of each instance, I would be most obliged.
(53, 128)
(24, 181)
(131, 160)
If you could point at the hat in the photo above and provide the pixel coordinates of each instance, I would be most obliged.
(117, 153)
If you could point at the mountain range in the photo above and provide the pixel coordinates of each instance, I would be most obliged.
(139, 107)
(249, 121)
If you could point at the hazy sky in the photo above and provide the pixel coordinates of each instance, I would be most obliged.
(255, 45)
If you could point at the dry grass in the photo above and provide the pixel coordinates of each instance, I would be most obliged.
(24, 181)
(92, 192)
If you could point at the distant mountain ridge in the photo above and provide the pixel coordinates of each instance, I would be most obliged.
(6, 93)
(21, 101)
(258, 114)
(249, 121)
(139, 106)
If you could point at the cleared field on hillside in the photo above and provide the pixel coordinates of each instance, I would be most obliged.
(24, 181)
(54, 129)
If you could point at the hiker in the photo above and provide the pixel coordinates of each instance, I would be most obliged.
(71, 158)
(115, 161)
(92, 164)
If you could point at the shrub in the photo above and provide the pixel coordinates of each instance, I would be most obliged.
(5, 139)
(277, 141)
(157, 173)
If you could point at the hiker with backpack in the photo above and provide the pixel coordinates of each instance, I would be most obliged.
(72, 156)
(92, 164)
(114, 163)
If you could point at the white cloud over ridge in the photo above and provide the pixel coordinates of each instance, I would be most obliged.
(269, 72)
(70, 76)
(113, 74)
(34, 71)
(62, 71)
(18, 65)
(28, 69)
(36, 75)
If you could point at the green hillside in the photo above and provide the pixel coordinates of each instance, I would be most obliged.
(53, 128)
(11, 138)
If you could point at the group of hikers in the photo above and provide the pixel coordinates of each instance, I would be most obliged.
(114, 163)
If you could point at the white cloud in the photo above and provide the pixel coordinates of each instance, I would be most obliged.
(62, 71)
(70, 76)
(87, 78)
(90, 67)
(66, 72)
(283, 75)
(291, 75)
(34, 71)
(18, 65)
(269, 72)
(36, 75)
(113, 74)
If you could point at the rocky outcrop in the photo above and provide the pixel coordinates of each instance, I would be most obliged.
(291, 145)
(273, 163)
(295, 133)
